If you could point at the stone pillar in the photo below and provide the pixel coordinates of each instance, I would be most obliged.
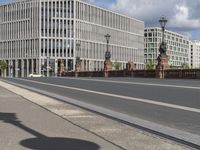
(62, 68)
(130, 67)
(107, 67)
(162, 66)
(77, 69)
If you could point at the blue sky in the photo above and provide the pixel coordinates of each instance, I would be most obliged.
(183, 15)
(3, 1)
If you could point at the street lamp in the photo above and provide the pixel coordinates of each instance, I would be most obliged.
(163, 60)
(163, 22)
(107, 54)
(78, 60)
(163, 46)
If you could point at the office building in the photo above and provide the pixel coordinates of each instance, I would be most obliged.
(177, 47)
(195, 54)
(37, 36)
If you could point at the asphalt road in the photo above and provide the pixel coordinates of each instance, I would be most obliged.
(172, 103)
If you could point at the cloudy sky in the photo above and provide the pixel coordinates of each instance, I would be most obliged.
(183, 15)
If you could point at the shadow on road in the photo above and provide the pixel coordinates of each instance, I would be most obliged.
(42, 142)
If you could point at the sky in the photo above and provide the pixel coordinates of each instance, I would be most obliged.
(183, 15)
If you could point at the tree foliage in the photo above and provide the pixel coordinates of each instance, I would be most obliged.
(117, 65)
(185, 66)
(150, 65)
(3, 65)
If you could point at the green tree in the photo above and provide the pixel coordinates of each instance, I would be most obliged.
(185, 66)
(117, 65)
(3, 66)
(150, 65)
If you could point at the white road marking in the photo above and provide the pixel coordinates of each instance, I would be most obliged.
(136, 83)
(121, 96)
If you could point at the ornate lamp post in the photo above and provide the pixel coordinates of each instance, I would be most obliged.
(162, 58)
(107, 54)
(163, 45)
(163, 22)
(107, 62)
(78, 60)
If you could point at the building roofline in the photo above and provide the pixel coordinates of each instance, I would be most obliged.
(109, 10)
(195, 41)
(184, 36)
(106, 9)
(13, 2)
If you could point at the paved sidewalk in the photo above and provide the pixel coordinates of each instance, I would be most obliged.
(41, 123)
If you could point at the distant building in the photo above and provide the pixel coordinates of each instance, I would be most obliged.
(37, 36)
(177, 47)
(195, 54)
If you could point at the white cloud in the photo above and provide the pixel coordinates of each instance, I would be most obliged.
(183, 15)
(147, 10)
(182, 20)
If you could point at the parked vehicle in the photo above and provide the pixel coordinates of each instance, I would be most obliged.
(35, 75)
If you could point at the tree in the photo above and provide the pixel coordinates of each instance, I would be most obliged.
(185, 66)
(117, 65)
(150, 65)
(3, 66)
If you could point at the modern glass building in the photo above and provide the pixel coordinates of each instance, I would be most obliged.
(177, 47)
(37, 36)
(195, 54)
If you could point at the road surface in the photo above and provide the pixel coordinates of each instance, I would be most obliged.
(171, 103)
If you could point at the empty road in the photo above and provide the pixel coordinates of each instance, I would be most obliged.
(171, 103)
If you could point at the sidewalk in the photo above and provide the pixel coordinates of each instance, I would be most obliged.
(42, 123)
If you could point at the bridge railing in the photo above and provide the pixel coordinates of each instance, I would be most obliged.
(172, 73)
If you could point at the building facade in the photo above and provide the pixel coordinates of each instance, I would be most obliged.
(177, 47)
(195, 54)
(37, 36)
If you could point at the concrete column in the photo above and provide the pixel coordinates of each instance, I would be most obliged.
(82, 66)
(74, 63)
(32, 65)
(37, 66)
(9, 64)
(66, 64)
(56, 67)
(47, 67)
(27, 67)
(12, 68)
(16, 69)
(22, 68)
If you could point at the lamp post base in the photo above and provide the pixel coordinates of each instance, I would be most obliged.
(162, 66)
(107, 67)
(77, 69)
(62, 68)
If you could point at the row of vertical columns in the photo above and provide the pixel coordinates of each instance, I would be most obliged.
(22, 67)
